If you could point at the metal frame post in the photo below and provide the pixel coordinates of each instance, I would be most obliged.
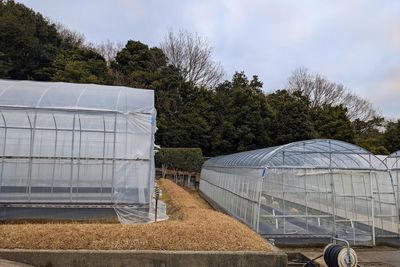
(55, 154)
(31, 147)
(4, 150)
(72, 157)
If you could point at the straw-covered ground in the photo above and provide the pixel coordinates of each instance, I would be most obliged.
(192, 226)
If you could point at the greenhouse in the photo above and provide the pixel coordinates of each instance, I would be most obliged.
(308, 190)
(393, 163)
(67, 146)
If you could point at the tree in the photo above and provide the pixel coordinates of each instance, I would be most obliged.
(5, 66)
(192, 56)
(33, 48)
(136, 56)
(68, 36)
(80, 65)
(392, 136)
(242, 116)
(186, 159)
(28, 43)
(108, 50)
(369, 135)
(332, 122)
(183, 109)
(321, 92)
(291, 121)
(137, 65)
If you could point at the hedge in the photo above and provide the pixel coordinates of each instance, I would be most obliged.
(185, 159)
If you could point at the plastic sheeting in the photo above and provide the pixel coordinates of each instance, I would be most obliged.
(280, 193)
(318, 153)
(129, 215)
(77, 144)
(393, 163)
(54, 95)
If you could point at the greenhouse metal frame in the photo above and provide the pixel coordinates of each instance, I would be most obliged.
(308, 190)
(77, 145)
(393, 163)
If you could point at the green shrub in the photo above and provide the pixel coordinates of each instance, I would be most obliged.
(185, 159)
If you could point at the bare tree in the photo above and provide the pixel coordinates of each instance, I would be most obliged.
(359, 108)
(321, 91)
(192, 55)
(72, 37)
(108, 49)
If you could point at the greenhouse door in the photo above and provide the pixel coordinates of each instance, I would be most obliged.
(353, 207)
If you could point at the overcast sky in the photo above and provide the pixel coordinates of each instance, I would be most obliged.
(355, 42)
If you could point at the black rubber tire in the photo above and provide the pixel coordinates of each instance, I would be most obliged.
(331, 254)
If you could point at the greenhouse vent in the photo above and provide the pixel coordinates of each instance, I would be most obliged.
(306, 192)
(73, 150)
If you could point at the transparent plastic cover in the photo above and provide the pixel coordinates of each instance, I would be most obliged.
(77, 144)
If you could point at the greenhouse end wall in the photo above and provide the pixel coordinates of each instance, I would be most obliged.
(310, 190)
(74, 145)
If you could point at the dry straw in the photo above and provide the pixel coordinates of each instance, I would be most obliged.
(192, 226)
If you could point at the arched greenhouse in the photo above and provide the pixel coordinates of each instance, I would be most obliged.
(66, 146)
(306, 192)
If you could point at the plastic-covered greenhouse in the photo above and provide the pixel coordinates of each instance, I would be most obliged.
(66, 146)
(306, 192)
(393, 163)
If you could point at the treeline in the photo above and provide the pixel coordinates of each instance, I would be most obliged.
(195, 107)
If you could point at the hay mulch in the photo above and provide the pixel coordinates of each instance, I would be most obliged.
(192, 226)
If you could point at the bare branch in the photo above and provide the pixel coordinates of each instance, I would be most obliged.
(321, 91)
(108, 49)
(74, 38)
(193, 57)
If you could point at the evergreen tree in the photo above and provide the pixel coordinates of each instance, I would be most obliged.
(80, 65)
(28, 43)
(291, 117)
(332, 122)
(368, 135)
(392, 136)
(242, 116)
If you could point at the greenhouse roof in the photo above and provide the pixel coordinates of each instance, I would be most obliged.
(60, 95)
(393, 160)
(316, 153)
(395, 154)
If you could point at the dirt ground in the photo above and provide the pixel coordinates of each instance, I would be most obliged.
(193, 225)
